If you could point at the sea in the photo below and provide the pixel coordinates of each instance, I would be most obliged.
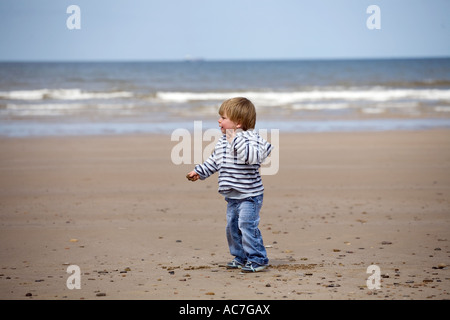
(96, 98)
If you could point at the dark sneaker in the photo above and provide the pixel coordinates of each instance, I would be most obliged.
(253, 267)
(234, 265)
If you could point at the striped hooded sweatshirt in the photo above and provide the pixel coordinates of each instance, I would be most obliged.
(238, 164)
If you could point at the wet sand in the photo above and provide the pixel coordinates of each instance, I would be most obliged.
(117, 207)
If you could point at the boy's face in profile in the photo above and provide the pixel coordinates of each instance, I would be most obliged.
(225, 123)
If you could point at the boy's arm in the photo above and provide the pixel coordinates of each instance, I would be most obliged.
(207, 168)
(251, 152)
(203, 171)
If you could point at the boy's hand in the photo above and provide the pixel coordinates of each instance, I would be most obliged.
(192, 176)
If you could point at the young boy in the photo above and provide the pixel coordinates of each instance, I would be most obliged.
(237, 156)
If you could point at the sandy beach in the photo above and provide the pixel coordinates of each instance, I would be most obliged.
(117, 207)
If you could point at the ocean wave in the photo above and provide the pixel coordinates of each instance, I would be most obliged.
(72, 106)
(442, 109)
(66, 106)
(418, 83)
(62, 94)
(61, 109)
(274, 98)
(320, 106)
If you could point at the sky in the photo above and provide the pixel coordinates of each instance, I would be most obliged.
(129, 30)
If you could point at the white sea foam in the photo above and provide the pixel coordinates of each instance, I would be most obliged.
(274, 98)
(61, 94)
(72, 106)
(373, 110)
(321, 106)
(60, 109)
(442, 109)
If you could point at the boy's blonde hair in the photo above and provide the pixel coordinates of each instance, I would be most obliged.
(239, 110)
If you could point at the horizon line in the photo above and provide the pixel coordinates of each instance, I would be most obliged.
(201, 59)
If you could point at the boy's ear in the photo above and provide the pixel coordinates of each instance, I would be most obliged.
(238, 126)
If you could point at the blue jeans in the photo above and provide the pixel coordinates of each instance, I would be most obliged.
(244, 238)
